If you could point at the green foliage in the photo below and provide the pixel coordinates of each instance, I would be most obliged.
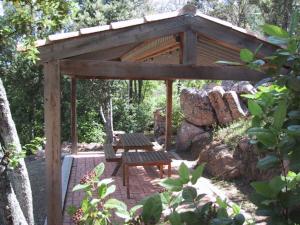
(232, 134)
(179, 204)
(184, 205)
(97, 209)
(276, 129)
(34, 145)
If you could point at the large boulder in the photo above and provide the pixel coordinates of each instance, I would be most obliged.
(249, 156)
(198, 143)
(220, 161)
(222, 110)
(186, 135)
(243, 87)
(236, 107)
(196, 107)
(159, 123)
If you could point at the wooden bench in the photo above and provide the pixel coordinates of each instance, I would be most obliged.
(111, 156)
(153, 158)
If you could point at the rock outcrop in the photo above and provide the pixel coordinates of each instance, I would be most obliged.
(196, 107)
(187, 135)
(237, 108)
(220, 161)
(220, 107)
(159, 123)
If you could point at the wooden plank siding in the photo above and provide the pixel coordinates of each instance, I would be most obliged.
(94, 69)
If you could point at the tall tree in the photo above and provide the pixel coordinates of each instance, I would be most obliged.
(99, 12)
(23, 21)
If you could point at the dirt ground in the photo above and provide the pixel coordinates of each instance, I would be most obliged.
(36, 170)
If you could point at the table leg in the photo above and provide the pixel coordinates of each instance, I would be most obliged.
(117, 169)
(124, 174)
(169, 169)
(161, 172)
(127, 181)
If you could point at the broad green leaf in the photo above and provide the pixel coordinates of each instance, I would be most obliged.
(275, 31)
(99, 169)
(71, 210)
(80, 187)
(265, 136)
(184, 173)
(277, 183)
(294, 130)
(113, 203)
(102, 190)
(135, 208)
(123, 214)
(263, 188)
(175, 219)
(246, 55)
(222, 213)
(105, 181)
(85, 205)
(165, 198)
(267, 162)
(254, 108)
(197, 173)
(111, 189)
(236, 209)
(280, 114)
(172, 184)
(94, 201)
(189, 193)
(152, 209)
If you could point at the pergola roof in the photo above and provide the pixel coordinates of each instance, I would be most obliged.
(180, 45)
(151, 37)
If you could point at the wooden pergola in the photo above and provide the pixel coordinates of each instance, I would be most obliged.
(179, 45)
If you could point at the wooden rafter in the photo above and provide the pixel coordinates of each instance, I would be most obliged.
(149, 71)
(112, 38)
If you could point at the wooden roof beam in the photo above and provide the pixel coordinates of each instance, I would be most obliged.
(227, 37)
(112, 38)
(152, 71)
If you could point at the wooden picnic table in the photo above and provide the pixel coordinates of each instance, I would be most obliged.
(134, 141)
(159, 159)
(129, 141)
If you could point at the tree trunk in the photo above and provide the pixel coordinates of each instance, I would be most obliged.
(107, 114)
(19, 176)
(130, 87)
(140, 82)
(10, 210)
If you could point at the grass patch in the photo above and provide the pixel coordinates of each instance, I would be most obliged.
(232, 134)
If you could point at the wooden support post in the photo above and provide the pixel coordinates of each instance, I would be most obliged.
(169, 87)
(53, 148)
(74, 137)
(188, 48)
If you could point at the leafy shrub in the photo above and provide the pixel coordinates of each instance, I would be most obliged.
(180, 203)
(90, 129)
(232, 134)
(276, 127)
(34, 145)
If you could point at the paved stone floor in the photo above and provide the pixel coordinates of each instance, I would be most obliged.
(143, 181)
